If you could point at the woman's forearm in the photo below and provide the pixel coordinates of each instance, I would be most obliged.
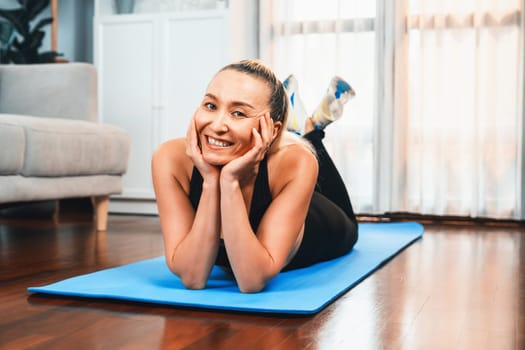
(250, 261)
(193, 258)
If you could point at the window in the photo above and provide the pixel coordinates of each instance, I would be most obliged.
(436, 125)
(314, 41)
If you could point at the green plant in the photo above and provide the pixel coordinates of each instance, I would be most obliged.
(7, 34)
(24, 48)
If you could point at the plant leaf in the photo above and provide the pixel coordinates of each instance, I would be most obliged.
(18, 18)
(7, 30)
(17, 57)
(42, 23)
(49, 56)
(17, 44)
(34, 41)
(34, 7)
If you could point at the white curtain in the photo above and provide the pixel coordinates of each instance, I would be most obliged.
(316, 40)
(436, 126)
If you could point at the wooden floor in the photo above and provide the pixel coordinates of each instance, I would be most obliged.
(460, 287)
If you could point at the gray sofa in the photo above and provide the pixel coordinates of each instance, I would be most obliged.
(51, 145)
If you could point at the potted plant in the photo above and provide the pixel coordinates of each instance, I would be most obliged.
(24, 47)
(7, 34)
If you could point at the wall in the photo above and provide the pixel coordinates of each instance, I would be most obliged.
(75, 30)
(244, 22)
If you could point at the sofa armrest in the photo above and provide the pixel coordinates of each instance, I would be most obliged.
(66, 90)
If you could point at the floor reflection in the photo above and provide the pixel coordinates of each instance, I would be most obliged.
(208, 330)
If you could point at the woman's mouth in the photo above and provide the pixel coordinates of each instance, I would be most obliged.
(218, 143)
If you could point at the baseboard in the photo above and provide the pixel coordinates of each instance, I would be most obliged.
(133, 206)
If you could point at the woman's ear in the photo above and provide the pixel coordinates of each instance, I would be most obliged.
(277, 126)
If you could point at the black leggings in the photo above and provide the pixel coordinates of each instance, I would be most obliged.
(331, 226)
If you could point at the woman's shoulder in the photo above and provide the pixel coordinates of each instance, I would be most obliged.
(171, 150)
(171, 156)
(293, 159)
(294, 150)
(172, 145)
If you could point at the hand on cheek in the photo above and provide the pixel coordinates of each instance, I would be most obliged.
(246, 166)
(264, 137)
(194, 152)
(269, 130)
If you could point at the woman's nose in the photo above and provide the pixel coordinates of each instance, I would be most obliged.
(220, 122)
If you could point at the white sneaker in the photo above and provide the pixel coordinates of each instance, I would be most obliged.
(297, 114)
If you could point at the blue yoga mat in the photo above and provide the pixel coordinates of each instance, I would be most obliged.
(302, 291)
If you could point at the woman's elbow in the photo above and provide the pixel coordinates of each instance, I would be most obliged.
(189, 280)
(252, 285)
(193, 284)
(248, 289)
(250, 282)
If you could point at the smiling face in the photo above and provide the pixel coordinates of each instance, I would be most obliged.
(232, 106)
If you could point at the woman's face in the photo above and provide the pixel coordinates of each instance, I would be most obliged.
(232, 106)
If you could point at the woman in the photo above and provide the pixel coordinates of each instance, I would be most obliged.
(235, 193)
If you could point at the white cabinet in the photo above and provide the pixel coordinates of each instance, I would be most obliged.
(153, 70)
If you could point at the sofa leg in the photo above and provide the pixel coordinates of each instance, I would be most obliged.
(56, 212)
(101, 204)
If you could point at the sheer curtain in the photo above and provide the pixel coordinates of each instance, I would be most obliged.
(316, 40)
(436, 126)
(462, 121)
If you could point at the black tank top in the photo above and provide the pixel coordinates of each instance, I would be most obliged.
(328, 232)
(261, 199)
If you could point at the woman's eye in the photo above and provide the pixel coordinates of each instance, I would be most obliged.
(238, 114)
(210, 106)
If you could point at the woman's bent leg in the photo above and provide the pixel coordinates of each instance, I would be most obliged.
(329, 181)
(331, 226)
(328, 233)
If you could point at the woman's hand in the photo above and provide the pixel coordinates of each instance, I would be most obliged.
(245, 166)
(193, 150)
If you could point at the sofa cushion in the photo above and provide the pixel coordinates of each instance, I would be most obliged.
(16, 188)
(61, 147)
(12, 140)
(49, 90)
